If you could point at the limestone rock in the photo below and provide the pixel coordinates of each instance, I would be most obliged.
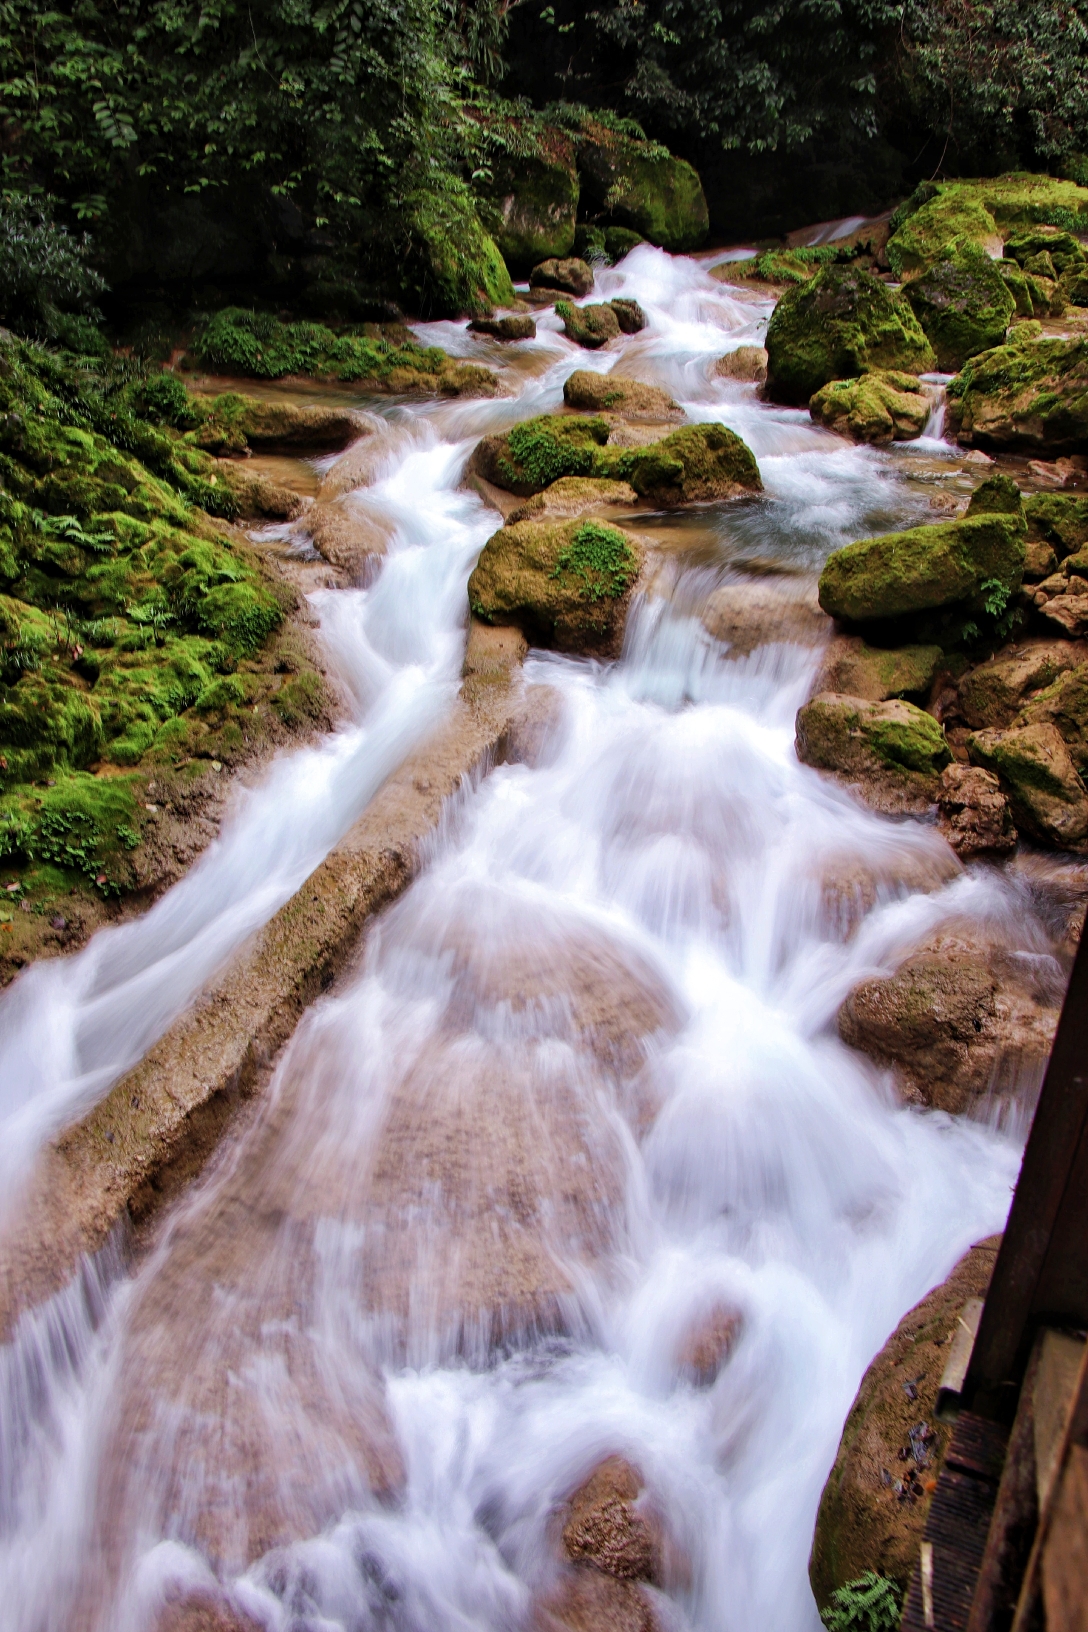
(1064, 704)
(1062, 599)
(258, 497)
(588, 326)
(745, 363)
(962, 303)
(924, 569)
(974, 813)
(613, 394)
(947, 1018)
(587, 1601)
(574, 496)
(856, 669)
(565, 584)
(505, 328)
(841, 323)
(707, 1344)
(892, 750)
(875, 1503)
(572, 276)
(1064, 252)
(1047, 796)
(994, 693)
(642, 187)
(630, 316)
(606, 1527)
(754, 612)
(878, 407)
(1029, 397)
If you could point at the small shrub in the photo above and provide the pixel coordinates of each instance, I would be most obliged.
(871, 1603)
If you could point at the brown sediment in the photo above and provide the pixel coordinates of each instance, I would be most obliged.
(157, 1126)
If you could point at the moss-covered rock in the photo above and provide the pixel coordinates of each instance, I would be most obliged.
(530, 204)
(693, 464)
(614, 394)
(892, 750)
(951, 213)
(880, 407)
(505, 328)
(236, 424)
(999, 495)
(589, 326)
(855, 669)
(867, 1521)
(455, 266)
(1061, 519)
(1064, 704)
(572, 276)
(1029, 397)
(539, 451)
(1034, 765)
(604, 246)
(994, 693)
(1061, 249)
(565, 584)
(640, 185)
(962, 303)
(1073, 286)
(574, 496)
(630, 316)
(842, 323)
(970, 562)
(258, 345)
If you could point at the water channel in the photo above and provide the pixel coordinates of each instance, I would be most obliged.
(581, 1096)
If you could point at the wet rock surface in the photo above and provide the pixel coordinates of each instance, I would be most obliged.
(613, 393)
(1027, 397)
(950, 1018)
(571, 276)
(874, 1505)
(590, 326)
(892, 752)
(856, 669)
(607, 1527)
(1047, 796)
(744, 363)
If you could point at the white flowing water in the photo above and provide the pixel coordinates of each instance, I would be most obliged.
(584, 1092)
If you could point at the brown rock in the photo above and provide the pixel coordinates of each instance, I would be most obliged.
(707, 1344)
(574, 496)
(1063, 602)
(1047, 796)
(995, 692)
(587, 1601)
(948, 1018)
(745, 363)
(753, 612)
(534, 730)
(614, 394)
(258, 497)
(856, 669)
(865, 1522)
(606, 1527)
(571, 276)
(348, 539)
(974, 813)
(200, 1612)
(505, 328)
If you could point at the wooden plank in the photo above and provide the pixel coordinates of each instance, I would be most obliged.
(1065, 1553)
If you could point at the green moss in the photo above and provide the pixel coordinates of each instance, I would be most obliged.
(84, 824)
(962, 303)
(641, 186)
(590, 326)
(458, 267)
(841, 323)
(692, 464)
(953, 213)
(1048, 798)
(925, 569)
(1059, 518)
(259, 345)
(872, 1603)
(879, 407)
(999, 495)
(1028, 395)
(601, 557)
(529, 201)
(563, 582)
(856, 738)
(539, 451)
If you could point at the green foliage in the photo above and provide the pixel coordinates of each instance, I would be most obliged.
(85, 824)
(601, 557)
(259, 345)
(44, 274)
(869, 1604)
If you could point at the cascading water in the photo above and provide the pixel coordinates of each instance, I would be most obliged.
(583, 1095)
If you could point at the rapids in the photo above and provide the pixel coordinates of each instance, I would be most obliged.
(582, 1091)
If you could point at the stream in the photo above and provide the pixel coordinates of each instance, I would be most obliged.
(581, 1099)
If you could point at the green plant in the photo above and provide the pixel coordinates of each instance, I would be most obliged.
(601, 557)
(871, 1603)
(44, 270)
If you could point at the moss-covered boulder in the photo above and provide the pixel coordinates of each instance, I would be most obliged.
(962, 303)
(575, 496)
(994, 693)
(1061, 248)
(565, 584)
(1073, 286)
(868, 1521)
(236, 424)
(1024, 397)
(515, 327)
(920, 239)
(614, 394)
(604, 246)
(842, 323)
(530, 204)
(892, 752)
(455, 265)
(855, 669)
(999, 495)
(572, 276)
(1061, 519)
(630, 315)
(693, 464)
(880, 407)
(974, 561)
(1035, 767)
(589, 326)
(640, 185)
(539, 451)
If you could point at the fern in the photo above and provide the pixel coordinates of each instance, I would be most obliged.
(871, 1603)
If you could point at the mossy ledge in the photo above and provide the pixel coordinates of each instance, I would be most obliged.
(144, 646)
